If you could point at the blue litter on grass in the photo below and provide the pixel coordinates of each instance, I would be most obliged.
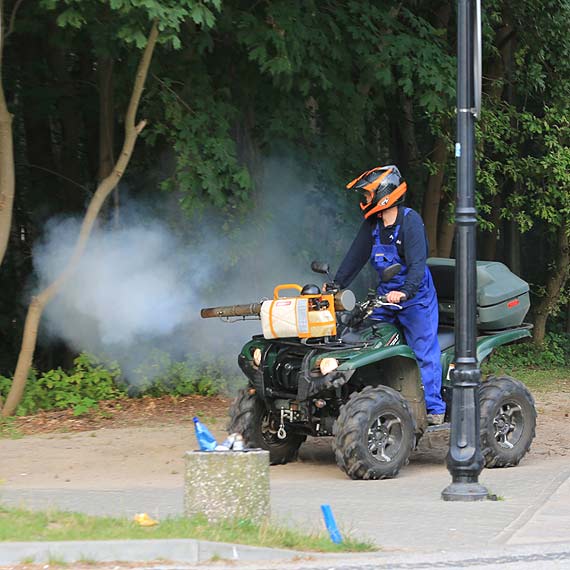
(330, 523)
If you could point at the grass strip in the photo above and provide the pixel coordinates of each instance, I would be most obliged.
(18, 524)
(8, 429)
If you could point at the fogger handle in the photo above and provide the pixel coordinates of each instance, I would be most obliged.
(252, 309)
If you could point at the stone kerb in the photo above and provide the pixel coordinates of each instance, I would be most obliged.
(227, 485)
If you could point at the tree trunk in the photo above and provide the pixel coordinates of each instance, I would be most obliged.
(489, 245)
(497, 80)
(106, 118)
(432, 196)
(554, 286)
(446, 237)
(446, 233)
(513, 253)
(38, 303)
(7, 173)
(107, 126)
(71, 123)
(432, 207)
(410, 157)
(249, 153)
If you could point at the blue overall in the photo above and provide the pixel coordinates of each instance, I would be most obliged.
(418, 316)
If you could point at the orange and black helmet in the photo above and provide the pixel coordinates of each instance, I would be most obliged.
(379, 188)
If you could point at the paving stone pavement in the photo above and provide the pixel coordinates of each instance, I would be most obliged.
(402, 516)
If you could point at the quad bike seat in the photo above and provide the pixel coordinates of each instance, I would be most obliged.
(446, 337)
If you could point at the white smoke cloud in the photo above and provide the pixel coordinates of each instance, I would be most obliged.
(128, 283)
(141, 286)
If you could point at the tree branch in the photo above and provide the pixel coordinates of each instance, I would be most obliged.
(84, 188)
(178, 98)
(106, 186)
(13, 19)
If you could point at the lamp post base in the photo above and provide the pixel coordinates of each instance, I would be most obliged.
(463, 491)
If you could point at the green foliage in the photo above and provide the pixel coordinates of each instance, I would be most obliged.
(425, 68)
(91, 380)
(323, 78)
(554, 353)
(197, 123)
(131, 19)
(347, 84)
(524, 136)
(160, 375)
(540, 176)
(79, 389)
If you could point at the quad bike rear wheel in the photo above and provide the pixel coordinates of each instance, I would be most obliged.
(250, 417)
(374, 434)
(508, 421)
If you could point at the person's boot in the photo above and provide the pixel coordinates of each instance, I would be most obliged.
(435, 419)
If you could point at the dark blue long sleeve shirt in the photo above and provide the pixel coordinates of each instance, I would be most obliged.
(413, 249)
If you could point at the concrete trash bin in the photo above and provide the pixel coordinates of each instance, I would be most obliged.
(227, 485)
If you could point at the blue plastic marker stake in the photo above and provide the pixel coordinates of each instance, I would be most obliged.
(330, 523)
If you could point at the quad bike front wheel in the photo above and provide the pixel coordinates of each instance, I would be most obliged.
(508, 421)
(250, 417)
(374, 434)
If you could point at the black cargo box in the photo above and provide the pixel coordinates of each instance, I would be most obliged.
(502, 297)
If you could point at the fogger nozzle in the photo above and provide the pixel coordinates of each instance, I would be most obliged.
(253, 309)
(343, 301)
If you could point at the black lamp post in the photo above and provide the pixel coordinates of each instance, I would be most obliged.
(464, 459)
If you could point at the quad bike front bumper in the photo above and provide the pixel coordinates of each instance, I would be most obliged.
(306, 384)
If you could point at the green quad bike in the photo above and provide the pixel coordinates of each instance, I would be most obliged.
(362, 387)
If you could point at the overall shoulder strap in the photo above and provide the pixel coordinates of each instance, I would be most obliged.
(376, 232)
(401, 234)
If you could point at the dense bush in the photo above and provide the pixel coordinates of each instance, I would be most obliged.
(91, 381)
(554, 353)
(80, 389)
(160, 375)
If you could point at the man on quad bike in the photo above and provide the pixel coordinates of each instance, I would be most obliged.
(392, 233)
(314, 371)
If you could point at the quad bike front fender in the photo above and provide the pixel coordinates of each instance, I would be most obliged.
(397, 368)
(384, 358)
(371, 356)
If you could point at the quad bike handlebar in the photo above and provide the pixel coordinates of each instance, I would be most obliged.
(382, 301)
(363, 310)
(376, 302)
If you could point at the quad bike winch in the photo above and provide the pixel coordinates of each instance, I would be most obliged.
(322, 368)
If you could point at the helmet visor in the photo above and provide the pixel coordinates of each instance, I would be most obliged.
(364, 196)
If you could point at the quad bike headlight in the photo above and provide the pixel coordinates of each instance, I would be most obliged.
(257, 357)
(327, 365)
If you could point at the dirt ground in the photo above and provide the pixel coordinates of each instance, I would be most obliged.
(139, 443)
